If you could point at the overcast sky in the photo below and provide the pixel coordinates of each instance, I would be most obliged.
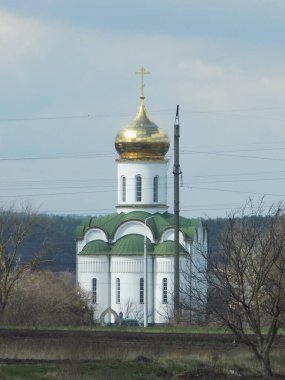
(68, 85)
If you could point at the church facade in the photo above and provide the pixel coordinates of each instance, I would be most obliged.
(113, 249)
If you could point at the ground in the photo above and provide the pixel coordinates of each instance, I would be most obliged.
(129, 354)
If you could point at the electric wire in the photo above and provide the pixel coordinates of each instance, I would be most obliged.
(104, 154)
(186, 110)
(111, 187)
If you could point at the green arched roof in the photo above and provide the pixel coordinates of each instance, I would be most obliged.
(158, 223)
(167, 248)
(131, 245)
(96, 247)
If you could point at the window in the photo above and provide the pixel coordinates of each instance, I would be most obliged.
(94, 290)
(118, 290)
(138, 188)
(155, 189)
(141, 290)
(164, 290)
(123, 188)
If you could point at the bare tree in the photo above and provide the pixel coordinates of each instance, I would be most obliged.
(246, 281)
(15, 229)
(43, 298)
(131, 309)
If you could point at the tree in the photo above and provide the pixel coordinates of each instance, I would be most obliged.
(131, 309)
(15, 228)
(246, 281)
(42, 298)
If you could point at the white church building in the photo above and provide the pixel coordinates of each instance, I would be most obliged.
(111, 249)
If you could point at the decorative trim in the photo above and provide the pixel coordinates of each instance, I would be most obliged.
(149, 254)
(155, 160)
(139, 205)
(127, 266)
(92, 267)
(107, 311)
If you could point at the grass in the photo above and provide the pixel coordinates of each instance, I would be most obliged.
(235, 364)
(207, 358)
(231, 364)
(152, 329)
(106, 370)
(103, 370)
(23, 372)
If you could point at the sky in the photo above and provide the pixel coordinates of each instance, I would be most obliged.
(68, 85)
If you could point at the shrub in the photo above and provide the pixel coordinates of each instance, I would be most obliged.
(45, 299)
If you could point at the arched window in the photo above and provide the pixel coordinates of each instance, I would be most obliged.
(138, 188)
(155, 188)
(94, 290)
(164, 290)
(141, 290)
(118, 291)
(123, 188)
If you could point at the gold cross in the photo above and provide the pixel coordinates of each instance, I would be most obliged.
(142, 73)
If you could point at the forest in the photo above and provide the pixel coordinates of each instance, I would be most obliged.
(57, 234)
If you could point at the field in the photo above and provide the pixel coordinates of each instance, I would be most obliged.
(203, 368)
(110, 354)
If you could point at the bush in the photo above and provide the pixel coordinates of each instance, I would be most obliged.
(46, 299)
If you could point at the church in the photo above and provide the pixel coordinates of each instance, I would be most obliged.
(125, 260)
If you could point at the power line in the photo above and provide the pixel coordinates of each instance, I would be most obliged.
(236, 155)
(267, 143)
(104, 155)
(63, 117)
(57, 157)
(109, 153)
(113, 188)
(238, 180)
(186, 110)
(114, 181)
(239, 150)
(234, 191)
(109, 187)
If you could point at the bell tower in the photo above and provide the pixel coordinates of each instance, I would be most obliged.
(142, 166)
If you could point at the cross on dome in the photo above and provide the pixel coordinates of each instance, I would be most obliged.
(142, 72)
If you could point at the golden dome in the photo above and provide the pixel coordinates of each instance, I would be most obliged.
(142, 139)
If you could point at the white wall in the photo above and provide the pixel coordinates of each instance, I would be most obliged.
(163, 268)
(168, 234)
(129, 271)
(90, 235)
(133, 227)
(148, 170)
(90, 267)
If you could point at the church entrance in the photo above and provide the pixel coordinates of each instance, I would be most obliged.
(109, 316)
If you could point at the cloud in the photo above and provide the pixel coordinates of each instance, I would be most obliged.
(56, 68)
(60, 67)
(20, 39)
(227, 91)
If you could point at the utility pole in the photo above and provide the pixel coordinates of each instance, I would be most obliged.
(176, 173)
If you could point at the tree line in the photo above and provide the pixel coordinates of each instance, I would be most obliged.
(57, 234)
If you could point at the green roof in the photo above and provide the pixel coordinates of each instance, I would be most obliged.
(96, 247)
(158, 223)
(131, 244)
(79, 232)
(167, 248)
